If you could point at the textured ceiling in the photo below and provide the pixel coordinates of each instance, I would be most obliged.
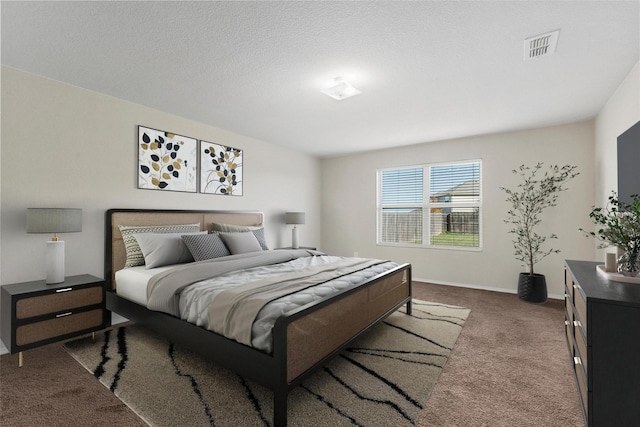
(428, 71)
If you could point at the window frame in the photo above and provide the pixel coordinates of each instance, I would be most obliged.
(427, 205)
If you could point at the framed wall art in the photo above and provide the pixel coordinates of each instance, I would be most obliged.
(220, 169)
(166, 161)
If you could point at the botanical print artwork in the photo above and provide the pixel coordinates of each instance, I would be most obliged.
(220, 169)
(166, 161)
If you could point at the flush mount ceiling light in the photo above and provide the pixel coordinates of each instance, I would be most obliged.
(341, 89)
(542, 45)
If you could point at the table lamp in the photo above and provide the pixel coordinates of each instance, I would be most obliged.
(53, 220)
(294, 218)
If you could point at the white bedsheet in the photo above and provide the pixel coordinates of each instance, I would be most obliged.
(131, 283)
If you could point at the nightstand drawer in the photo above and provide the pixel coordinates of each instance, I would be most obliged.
(62, 299)
(62, 325)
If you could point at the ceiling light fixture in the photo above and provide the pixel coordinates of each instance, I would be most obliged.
(341, 89)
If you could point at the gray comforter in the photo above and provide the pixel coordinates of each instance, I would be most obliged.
(163, 290)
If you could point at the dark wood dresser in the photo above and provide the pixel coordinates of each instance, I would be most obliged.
(602, 324)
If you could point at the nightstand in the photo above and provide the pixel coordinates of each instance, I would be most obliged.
(35, 314)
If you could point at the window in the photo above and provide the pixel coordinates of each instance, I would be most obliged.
(430, 205)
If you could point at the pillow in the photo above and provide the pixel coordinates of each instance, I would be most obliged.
(232, 227)
(258, 231)
(134, 254)
(240, 243)
(161, 249)
(205, 246)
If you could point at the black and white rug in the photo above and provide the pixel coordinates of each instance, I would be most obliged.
(383, 379)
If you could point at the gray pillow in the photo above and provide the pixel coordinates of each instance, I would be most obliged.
(240, 243)
(258, 230)
(215, 226)
(259, 233)
(134, 253)
(205, 246)
(161, 249)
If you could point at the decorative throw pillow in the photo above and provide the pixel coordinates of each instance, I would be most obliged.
(161, 249)
(205, 246)
(258, 231)
(134, 253)
(240, 243)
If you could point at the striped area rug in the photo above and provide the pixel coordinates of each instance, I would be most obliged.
(383, 379)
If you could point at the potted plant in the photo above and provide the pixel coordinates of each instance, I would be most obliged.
(534, 194)
(618, 224)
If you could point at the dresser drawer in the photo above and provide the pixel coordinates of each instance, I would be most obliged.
(568, 281)
(62, 299)
(580, 304)
(580, 342)
(582, 383)
(568, 307)
(569, 333)
(62, 325)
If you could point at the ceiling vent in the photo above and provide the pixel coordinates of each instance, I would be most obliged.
(542, 45)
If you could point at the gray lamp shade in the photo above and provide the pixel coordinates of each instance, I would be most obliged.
(53, 220)
(294, 218)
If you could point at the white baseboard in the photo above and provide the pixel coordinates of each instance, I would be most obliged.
(483, 288)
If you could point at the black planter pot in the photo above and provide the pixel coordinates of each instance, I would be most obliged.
(532, 288)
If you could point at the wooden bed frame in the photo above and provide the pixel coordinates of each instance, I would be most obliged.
(303, 340)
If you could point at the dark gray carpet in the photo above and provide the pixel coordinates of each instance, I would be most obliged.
(383, 379)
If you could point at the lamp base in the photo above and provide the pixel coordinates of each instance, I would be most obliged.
(55, 262)
(294, 237)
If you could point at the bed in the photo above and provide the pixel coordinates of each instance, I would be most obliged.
(301, 340)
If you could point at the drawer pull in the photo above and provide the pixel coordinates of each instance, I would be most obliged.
(566, 322)
(577, 323)
(577, 361)
(576, 286)
(64, 290)
(567, 296)
(64, 314)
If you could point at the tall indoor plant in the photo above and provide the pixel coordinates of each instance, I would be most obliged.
(534, 194)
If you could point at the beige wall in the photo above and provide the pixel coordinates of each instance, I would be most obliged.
(620, 113)
(349, 205)
(63, 146)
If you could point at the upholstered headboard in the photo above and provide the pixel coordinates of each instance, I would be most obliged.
(115, 254)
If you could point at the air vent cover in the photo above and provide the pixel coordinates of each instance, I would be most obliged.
(541, 45)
